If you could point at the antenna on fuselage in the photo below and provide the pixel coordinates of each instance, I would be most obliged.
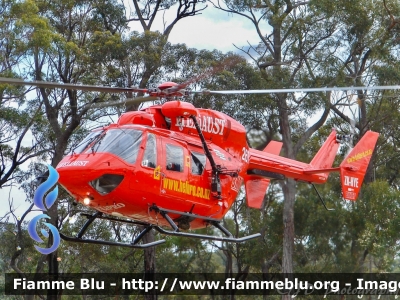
(216, 182)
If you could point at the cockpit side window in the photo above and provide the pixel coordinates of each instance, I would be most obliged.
(174, 158)
(197, 163)
(150, 153)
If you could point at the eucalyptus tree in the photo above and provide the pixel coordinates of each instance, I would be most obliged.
(289, 33)
(19, 117)
(145, 13)
(316, 43)
(55, 41)
(367, 55)
(83, 43)
(253, 111)
(153, 44)
(17, 113)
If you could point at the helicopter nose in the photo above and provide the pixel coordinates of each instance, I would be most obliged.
(97, 174)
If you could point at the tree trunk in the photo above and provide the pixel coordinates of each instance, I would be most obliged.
(150, 263)
(289, 192)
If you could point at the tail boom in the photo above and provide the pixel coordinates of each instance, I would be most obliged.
(352, 169)
(315, 172)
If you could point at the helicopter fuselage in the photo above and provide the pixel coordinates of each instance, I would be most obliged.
(126, 169)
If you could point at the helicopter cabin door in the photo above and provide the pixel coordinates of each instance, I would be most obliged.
(184, 174)
(175, 166)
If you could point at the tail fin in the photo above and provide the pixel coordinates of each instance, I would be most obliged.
(354, 166)
(326, 154)
(257, 186)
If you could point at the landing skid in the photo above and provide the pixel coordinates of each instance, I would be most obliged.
(99, 215)
(214, 222)
(148, 227)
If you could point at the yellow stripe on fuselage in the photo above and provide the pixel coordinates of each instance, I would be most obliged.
(185, 187)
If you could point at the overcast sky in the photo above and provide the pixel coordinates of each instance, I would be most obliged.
(212, 29)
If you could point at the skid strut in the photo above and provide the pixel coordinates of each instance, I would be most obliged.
(148, 227)
(99, 215)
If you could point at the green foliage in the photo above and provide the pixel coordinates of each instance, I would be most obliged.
(350, 233)
(34, 30)
(28, 257)
(380, 236)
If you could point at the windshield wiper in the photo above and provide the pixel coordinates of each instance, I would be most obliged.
(98, 141)
(88, 142)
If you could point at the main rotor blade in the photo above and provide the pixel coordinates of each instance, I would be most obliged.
(301, 90)
(129, 101)
(70, 86)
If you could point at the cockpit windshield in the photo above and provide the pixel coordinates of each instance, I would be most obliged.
(121, 142)
(86, 142)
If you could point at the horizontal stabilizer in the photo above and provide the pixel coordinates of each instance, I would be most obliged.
(256, 186)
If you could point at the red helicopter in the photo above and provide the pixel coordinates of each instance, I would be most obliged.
(181, 167)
